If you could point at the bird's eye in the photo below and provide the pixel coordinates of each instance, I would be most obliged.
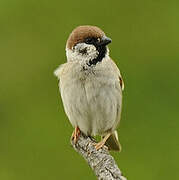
(89, 40)
(92, 40)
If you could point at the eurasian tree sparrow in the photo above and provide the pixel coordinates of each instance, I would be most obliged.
(91, 86)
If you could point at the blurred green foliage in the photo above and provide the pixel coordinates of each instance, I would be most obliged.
(34, 130)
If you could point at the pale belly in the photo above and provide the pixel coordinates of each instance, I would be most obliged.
(94, 105)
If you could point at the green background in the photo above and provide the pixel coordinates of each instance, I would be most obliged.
(34, 130)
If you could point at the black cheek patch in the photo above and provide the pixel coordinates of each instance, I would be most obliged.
(83, 51)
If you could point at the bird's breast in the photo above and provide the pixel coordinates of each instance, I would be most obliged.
(90, 99)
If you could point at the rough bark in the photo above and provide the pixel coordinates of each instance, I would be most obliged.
(101, 162)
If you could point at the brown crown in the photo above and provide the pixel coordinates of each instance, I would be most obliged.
(80, 33)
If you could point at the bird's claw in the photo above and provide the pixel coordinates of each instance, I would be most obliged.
(75, 134)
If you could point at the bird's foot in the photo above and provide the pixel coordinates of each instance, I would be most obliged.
(100, 145)
(75, 134)
(102, 142)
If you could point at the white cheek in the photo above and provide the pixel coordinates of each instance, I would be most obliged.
(75, 54)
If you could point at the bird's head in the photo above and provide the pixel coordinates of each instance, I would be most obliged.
(87, 44)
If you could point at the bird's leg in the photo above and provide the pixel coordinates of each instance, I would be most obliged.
(75, 134)
(102, 142)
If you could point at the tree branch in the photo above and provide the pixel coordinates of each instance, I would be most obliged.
(101, 162)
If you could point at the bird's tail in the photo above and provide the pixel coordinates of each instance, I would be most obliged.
(113, 143)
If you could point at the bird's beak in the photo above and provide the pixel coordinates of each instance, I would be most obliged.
(105, 41)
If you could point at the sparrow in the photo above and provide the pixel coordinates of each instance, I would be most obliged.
(91, 86)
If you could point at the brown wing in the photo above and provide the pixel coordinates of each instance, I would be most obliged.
(121, 82)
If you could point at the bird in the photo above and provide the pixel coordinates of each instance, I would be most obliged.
(91, 86)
